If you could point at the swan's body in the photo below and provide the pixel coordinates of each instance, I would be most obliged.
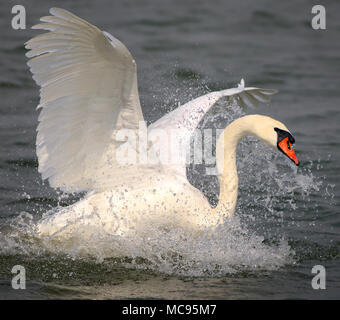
(89, 96)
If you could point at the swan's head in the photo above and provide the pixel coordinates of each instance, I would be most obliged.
(275, 134)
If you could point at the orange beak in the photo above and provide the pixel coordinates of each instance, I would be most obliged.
(287, 148)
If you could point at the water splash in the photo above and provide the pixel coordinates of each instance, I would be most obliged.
(269, 186)
(228, 249)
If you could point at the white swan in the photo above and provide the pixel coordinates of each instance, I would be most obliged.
(88, 97)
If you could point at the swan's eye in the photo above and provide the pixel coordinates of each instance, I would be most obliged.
(282, 134)
(288, 145)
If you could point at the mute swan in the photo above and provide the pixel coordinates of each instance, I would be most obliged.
(88, 97)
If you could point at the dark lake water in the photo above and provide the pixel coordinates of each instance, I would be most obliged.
(287, 219)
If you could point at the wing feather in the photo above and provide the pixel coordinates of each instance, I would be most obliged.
(88, 90)
(181, 123)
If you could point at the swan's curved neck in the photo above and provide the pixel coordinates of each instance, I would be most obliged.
(226, 161)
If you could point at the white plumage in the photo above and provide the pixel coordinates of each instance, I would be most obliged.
(88, 89)
(88, 93)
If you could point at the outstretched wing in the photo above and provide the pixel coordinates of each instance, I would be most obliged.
(88, 90)
(180, 124)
